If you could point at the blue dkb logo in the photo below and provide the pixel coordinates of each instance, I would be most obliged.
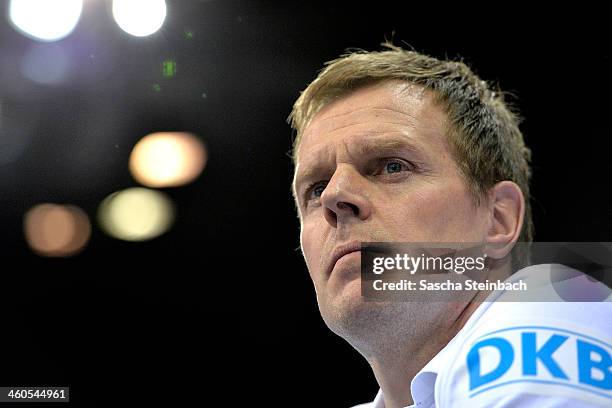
(594, 362)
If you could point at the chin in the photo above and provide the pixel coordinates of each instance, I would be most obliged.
(369, 325)
(349, 316)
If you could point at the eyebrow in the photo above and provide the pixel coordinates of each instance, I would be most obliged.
(376, 145)
(367, 147)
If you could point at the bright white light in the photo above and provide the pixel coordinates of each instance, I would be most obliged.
(139, 17)
(136, 214)
(46, 20)
(167, 159)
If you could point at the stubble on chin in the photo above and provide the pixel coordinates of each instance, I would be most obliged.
(383, 328)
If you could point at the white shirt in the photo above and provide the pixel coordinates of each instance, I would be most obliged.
(525, 354)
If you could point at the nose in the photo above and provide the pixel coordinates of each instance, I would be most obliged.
(345, 197)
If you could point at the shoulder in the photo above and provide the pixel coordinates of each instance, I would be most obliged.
(525, 353)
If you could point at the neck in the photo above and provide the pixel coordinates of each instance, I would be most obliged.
(394, 372)
(398, 352)
(394, 377)
(398, 363)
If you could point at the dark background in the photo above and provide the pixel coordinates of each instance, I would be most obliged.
(222, 306)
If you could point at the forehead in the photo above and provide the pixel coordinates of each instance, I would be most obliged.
(388, 108)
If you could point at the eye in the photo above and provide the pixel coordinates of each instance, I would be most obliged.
(393, 167)
(390, 166)
(315, 190)
(318, 191)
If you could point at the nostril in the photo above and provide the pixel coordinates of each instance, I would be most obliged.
(344, 205)
(331, 217)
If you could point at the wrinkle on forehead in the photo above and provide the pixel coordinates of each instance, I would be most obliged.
(391, 100)
(344, 120)
(377, 108)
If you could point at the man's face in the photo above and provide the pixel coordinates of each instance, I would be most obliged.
(376, 166)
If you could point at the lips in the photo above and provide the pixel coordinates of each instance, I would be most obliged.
(340, 251)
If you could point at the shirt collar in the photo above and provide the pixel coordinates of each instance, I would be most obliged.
(422, 385)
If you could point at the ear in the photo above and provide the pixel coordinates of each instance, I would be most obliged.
(507, 208)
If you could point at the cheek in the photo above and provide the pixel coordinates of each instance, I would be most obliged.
(308, 243)
(442, 213)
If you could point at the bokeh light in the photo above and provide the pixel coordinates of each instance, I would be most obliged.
(56, 230)
(45, 64)
(136, 214)
(46, 20)
(168, 159)
(139, 17)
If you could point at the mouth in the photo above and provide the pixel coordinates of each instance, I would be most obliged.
(342, 251)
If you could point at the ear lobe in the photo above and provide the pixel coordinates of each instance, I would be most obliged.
(507, 213)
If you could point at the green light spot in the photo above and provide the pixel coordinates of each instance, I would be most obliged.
(189, 34)
(169, 68)
(156, 88)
